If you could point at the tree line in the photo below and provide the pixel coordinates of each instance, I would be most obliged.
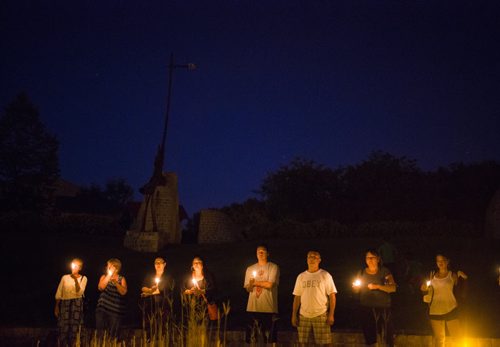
(29, 173)
(383, 187)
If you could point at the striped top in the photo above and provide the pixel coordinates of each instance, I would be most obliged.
(111, 301)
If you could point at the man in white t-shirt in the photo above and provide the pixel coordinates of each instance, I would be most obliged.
(314, 293)
(261, 283)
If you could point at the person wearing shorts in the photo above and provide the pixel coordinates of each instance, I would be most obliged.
(314, 303)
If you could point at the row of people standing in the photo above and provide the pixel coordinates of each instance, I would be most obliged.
(113, 287)
(313, 305)
(313, 311)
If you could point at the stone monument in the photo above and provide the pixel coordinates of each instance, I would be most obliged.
(157, 223)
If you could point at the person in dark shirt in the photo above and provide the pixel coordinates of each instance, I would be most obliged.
(156, 294)
(374, 284)
(200, 288)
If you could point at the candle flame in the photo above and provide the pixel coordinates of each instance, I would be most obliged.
(254, 274)
(73, 266)
(157, 280)
(110, 272)
(428, 283)
(357, 283)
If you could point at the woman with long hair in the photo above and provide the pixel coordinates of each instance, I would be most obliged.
(200, 285)
(443, 306)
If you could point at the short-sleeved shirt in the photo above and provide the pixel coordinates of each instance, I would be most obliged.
(67, 288)
(263, 299)
(314, 289)
(374, 298)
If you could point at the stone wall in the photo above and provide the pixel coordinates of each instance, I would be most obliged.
(216, 227)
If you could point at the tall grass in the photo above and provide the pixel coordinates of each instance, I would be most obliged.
(160, 327)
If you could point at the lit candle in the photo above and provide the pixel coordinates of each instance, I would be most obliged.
(254, 274)
(110, 272)
(73, 266)
(157, 280)
(428, 283)
(195, 282)
(357, 283)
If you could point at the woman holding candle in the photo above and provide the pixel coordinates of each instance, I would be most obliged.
(374, 284)
(110, 306)
(443, 308)
(69, 303)
(156, 291)
(201, 284)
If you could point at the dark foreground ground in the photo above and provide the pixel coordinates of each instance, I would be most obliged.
(33, 264)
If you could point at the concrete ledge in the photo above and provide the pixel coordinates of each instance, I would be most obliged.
(30, 336)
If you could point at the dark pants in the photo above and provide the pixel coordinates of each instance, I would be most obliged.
(262, 324)
(108, 322)
(374, 321)
(70, 321)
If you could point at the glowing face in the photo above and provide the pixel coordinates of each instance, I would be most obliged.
(197, 264)
(160, 265)
(111, 269)
(262, 254)
(442, 262)
(313, 258)
(75, 266)
(371, 260)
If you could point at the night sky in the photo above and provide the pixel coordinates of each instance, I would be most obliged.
(324, 80)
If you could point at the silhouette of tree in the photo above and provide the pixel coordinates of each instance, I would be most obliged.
(302, 190)
(110, 199)
(464, 191)
(383, 187)
(29, 164)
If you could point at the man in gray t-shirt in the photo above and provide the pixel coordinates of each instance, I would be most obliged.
(261, 283)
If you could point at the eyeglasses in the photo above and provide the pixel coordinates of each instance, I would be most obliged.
(371, 257)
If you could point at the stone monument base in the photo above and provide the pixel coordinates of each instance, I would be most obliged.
(144, 241)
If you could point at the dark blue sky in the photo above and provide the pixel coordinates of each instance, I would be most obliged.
(325, 80)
